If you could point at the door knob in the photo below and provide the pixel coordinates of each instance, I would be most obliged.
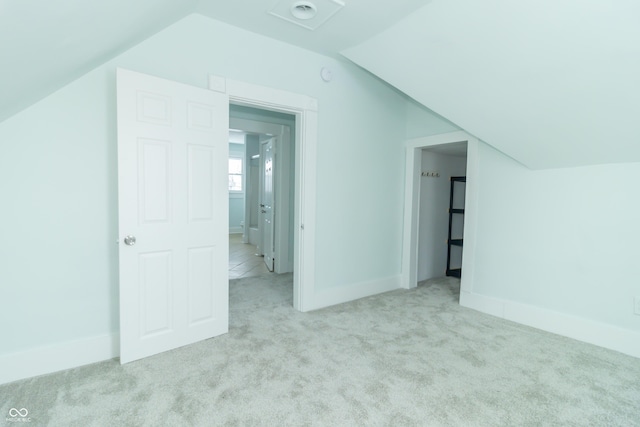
(130, 240)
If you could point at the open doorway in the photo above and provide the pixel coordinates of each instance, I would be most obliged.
(261, 209)
(263, 212)
(244, 256)
(434, 155)
(441, 210)
(305, 111)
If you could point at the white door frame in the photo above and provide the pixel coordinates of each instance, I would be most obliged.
(413, 170)
(305, 110)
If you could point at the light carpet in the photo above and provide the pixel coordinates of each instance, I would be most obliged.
(404, 358)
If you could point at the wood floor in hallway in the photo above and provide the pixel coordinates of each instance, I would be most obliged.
(243, 261)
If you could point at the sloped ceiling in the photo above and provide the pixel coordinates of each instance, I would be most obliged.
(357, 21)
(46, 44)
(550, 83)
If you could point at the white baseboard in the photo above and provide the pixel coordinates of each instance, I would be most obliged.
(601, 334)
(46, 360)
(236, 230)
(333, 296)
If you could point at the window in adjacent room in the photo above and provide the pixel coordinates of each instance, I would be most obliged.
(235, 175)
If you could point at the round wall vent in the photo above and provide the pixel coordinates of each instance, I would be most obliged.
(303, 10)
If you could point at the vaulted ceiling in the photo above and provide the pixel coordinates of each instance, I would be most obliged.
(45, 44)
(550, 83)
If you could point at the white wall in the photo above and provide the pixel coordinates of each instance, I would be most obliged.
(434, 212)
(59, 263)
(561, 240)
(420, 121)
(59, 275)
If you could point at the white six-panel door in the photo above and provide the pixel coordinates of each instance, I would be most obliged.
(173, 214)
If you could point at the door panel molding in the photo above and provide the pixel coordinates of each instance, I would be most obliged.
(172, 197)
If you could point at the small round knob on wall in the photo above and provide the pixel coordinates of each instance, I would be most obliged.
(326, 74)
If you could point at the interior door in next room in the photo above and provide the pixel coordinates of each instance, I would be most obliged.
(267, 211)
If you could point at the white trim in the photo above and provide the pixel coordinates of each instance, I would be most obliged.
(623, 340)
(58, 357)
(342, 294)
(304, 108)
(283, 252)
(251, 95)
(236, 230)
(413, 165)
(304, 255)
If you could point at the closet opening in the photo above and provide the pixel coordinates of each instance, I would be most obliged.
(429, 249)
(441, 211)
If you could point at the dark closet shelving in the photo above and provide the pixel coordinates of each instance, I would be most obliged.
(454, 272)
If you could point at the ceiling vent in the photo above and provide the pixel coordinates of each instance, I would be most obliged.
(304, 10)
(309, 14)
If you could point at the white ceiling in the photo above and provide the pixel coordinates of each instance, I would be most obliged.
(354, 23)
(550, 83)
(45, 44)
